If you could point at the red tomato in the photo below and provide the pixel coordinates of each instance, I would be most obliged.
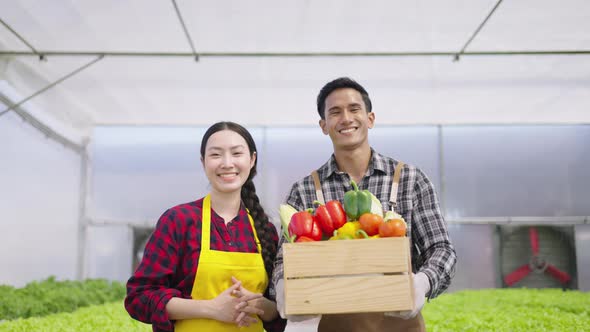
(393, 228)
(370, 223)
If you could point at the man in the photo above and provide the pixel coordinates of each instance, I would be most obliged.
(346, 116)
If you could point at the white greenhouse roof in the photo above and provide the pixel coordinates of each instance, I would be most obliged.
(263, 62)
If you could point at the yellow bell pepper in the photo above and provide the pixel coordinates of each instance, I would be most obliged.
(364, 235)
(347, 232)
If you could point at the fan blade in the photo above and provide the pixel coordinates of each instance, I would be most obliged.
(556, 273)
(534, 237)
(517, 274)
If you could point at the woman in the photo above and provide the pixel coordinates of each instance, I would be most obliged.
(208, 262)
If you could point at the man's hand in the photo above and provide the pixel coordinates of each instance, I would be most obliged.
(421, 287)
(280, 290)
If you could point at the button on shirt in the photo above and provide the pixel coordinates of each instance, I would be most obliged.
(432, 251)
(171, 258)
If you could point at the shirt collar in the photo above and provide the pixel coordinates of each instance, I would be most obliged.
(241, 217)
(376, 163)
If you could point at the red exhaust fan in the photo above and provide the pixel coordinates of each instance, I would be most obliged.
(536, 263)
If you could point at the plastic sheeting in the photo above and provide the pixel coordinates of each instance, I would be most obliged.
(271, 91)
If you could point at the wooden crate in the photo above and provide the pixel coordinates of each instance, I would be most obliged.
(348, 276)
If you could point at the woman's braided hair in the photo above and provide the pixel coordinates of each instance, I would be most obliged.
(248, 194)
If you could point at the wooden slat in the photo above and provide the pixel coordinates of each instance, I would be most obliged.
(351, 294)
(346, 257)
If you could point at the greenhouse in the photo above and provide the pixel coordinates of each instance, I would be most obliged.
(103, 106)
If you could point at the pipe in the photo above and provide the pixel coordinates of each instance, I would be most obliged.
(293, 54)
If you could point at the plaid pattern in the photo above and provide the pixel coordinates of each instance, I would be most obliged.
(171, 259)
(432, 251)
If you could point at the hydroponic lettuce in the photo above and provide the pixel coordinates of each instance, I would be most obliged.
(482, 310)
(51, 296)
(509, 310)
(110, 317)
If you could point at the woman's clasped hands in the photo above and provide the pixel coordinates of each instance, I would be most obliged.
(238, 305)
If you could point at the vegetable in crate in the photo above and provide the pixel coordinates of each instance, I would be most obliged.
(347, 232)
(376, 207)
(357, 202)
(343, 236)
(394, 225)
(364, 235)
(370, 223)
(304, 239)
(302, 224)
(286, 211)
(330, 216)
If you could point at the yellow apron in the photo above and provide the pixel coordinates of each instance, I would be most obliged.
(214, 276)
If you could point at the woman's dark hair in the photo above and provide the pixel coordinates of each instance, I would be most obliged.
(341, 83)
(249, 197)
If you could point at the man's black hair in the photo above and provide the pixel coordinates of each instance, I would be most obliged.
(341, 83)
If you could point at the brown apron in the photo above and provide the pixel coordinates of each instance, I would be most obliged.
(372, 321)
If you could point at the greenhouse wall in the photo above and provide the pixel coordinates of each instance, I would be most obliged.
(486, 176)
(40, 182)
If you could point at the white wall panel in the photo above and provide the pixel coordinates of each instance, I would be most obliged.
(477, 248)
(39, 205)
(109, 252)
(139, 172)
(290, 154)
(517, 170)
(414, 145)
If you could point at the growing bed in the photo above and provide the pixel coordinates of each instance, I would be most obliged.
(475, 310)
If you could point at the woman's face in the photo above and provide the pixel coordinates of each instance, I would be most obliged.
(227, 161)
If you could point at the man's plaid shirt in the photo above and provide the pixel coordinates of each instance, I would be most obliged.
(432, 251)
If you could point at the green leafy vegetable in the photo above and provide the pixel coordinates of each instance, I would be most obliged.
(110, 317)
(509, 310)
(51, 296)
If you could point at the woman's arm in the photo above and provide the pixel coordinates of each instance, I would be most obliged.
(148, 289)
(179, 308)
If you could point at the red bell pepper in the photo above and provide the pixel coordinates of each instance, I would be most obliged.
(302, 224)
(305, 239)
(316, 231)
(330, 216)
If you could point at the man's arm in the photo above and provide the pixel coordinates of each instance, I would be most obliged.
(293, 199)
(429, 233)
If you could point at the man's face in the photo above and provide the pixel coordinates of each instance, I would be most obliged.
(346, 119)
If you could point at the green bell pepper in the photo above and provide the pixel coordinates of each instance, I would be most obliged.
(357, 202)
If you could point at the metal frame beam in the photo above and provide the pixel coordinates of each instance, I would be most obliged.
(22, 39)
(186, 33)
(132, 54)
(458, 55)
(43, 128)
(51, 85)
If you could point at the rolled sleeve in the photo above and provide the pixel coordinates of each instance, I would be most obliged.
(430, 234)
(148, 289)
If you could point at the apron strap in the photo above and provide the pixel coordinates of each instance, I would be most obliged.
(206, 226)
(258, 245)
(395, 185)
(318, 187)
